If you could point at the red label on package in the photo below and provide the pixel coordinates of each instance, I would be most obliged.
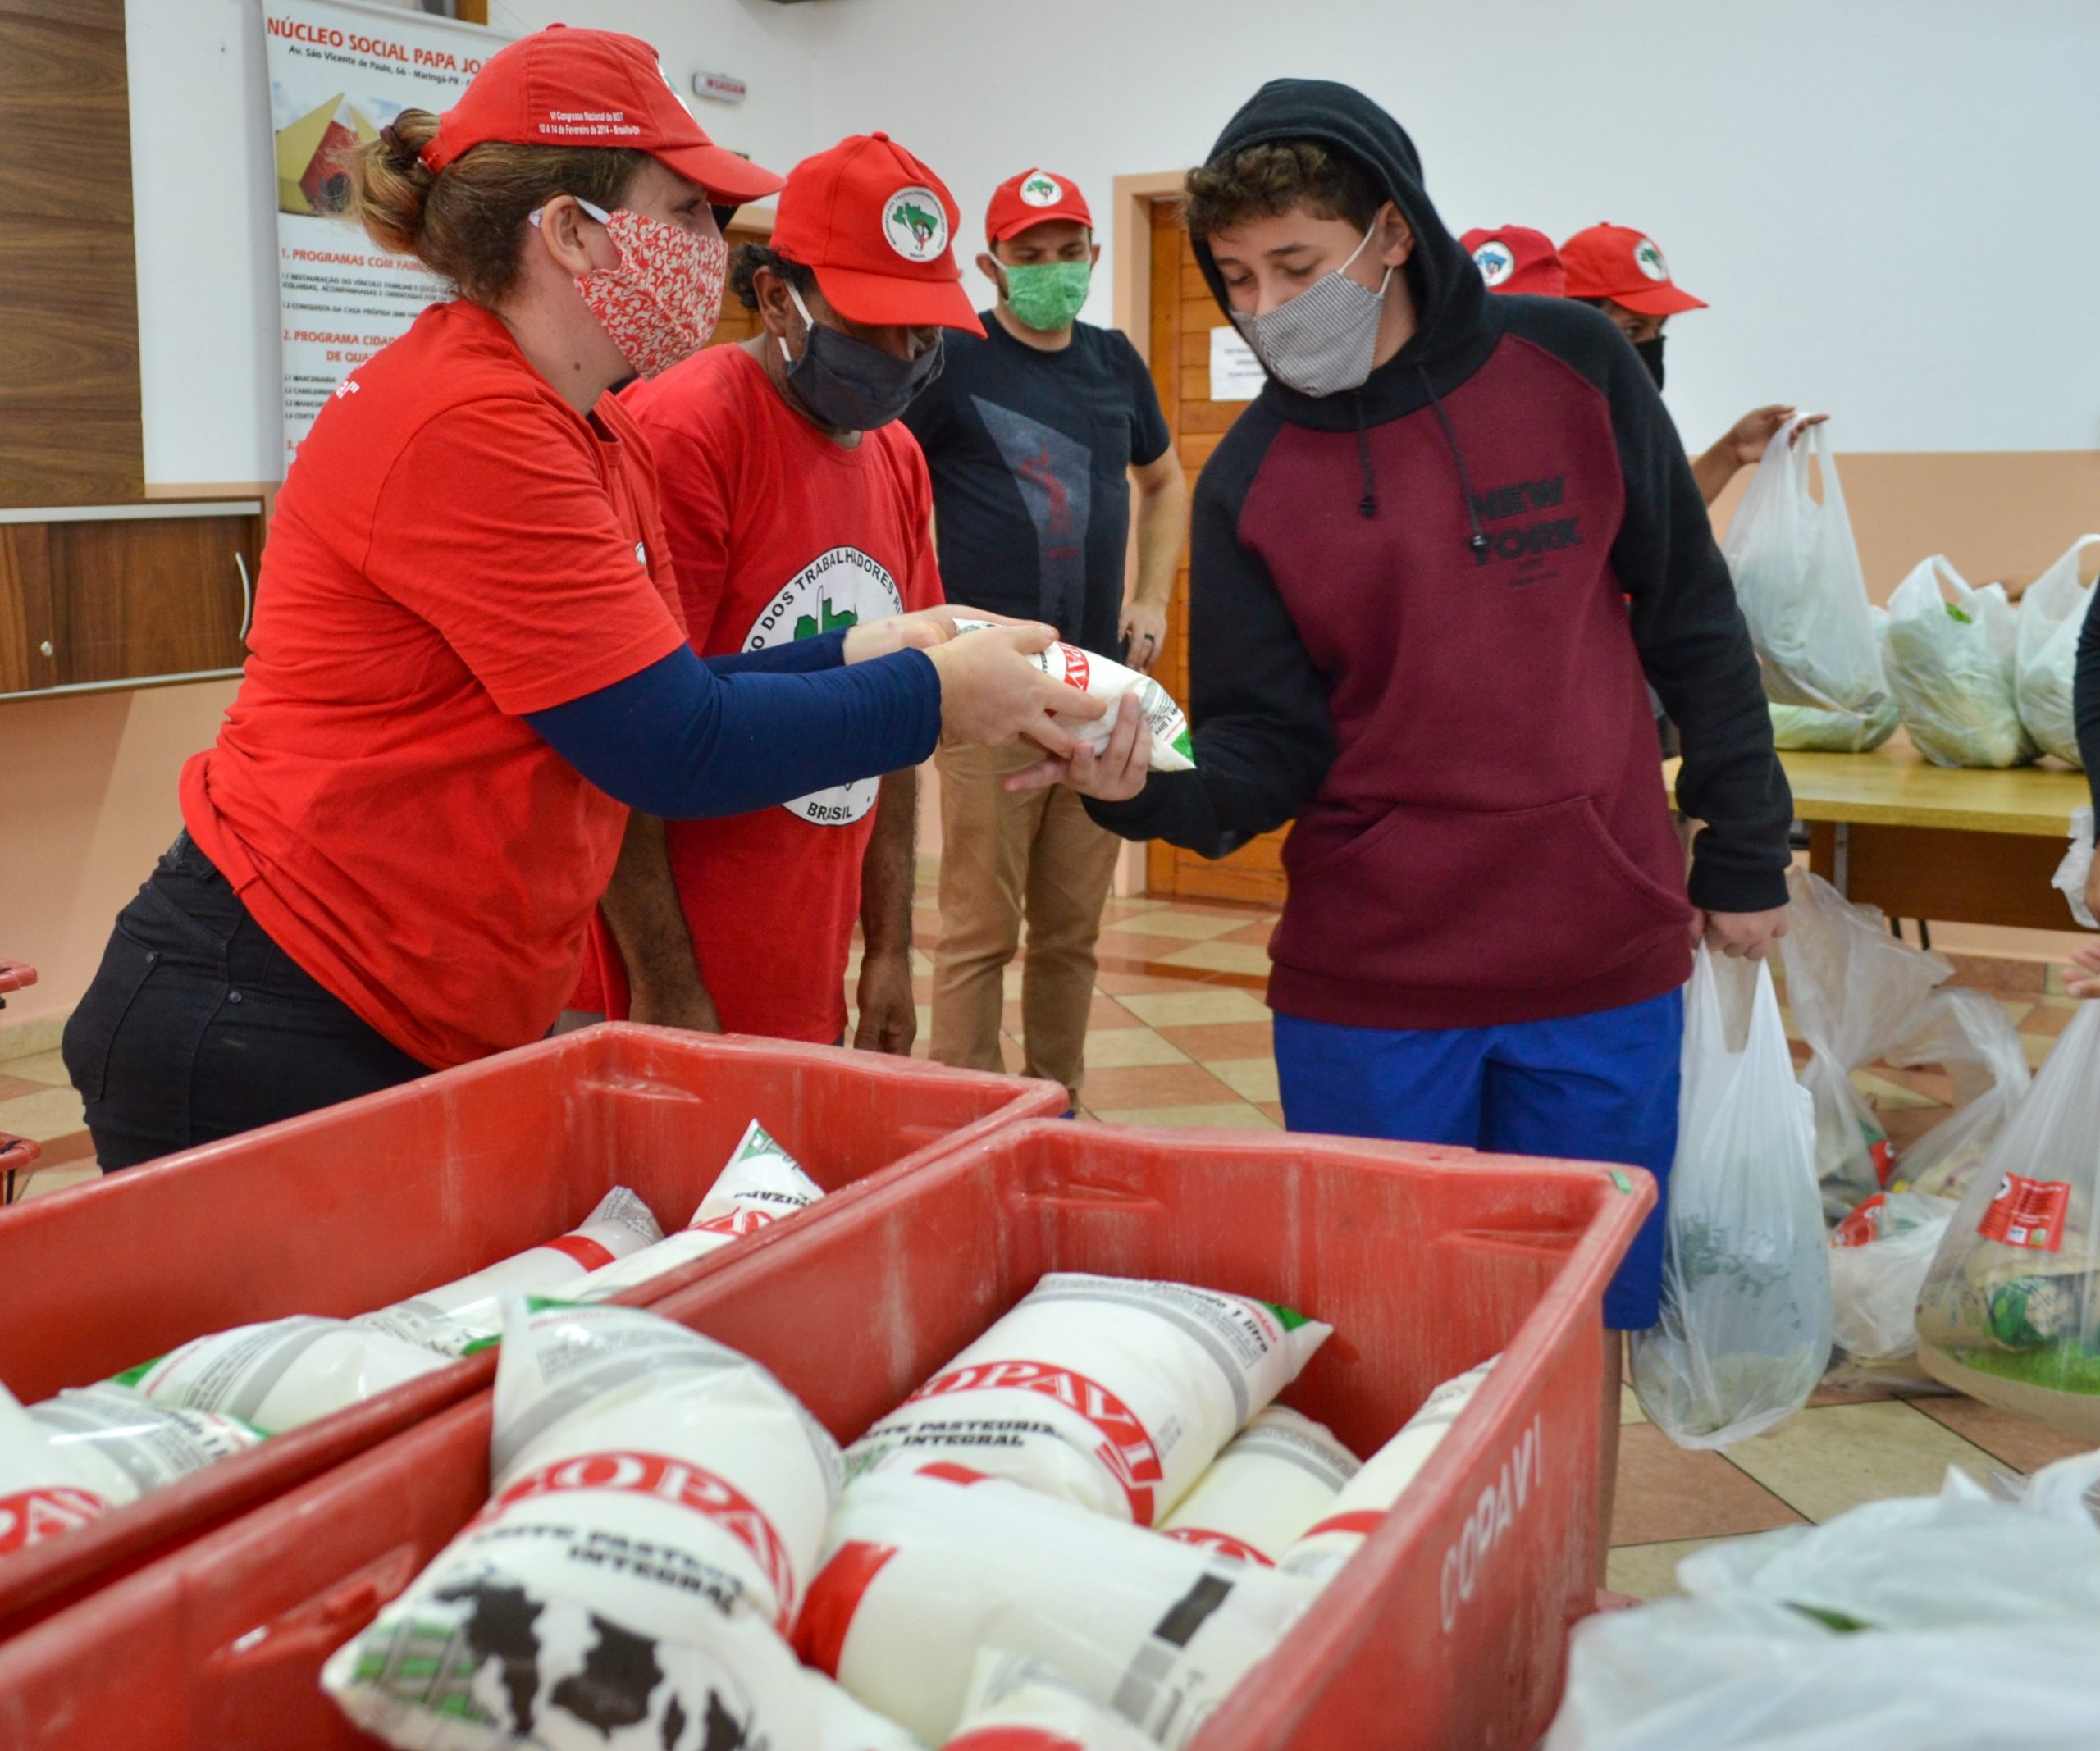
(1863, 1227)
(1884, 1159)
(2027, 1213)
(1076, 666)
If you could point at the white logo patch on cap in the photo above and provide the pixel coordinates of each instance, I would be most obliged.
(1039, 190)
(915, 223)
(1495, 262)
(1649, 259)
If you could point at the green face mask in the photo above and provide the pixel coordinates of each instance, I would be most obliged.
(1047, 295)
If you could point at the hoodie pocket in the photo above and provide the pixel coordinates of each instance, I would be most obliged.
(1521, 900)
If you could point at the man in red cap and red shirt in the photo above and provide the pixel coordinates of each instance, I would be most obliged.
(1034, 434)
(1516, 258)
(796, 506)
(1623, 273)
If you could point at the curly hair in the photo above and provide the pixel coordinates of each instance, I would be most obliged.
(465, 222)
(1277, 177)
(745, 264)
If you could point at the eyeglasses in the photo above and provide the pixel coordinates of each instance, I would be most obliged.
(597, 212)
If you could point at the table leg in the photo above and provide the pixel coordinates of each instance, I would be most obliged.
(1841, 858)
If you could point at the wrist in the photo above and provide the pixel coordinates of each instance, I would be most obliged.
(885, 950)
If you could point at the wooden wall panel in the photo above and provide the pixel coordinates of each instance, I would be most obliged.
(24, 608)
(70, 427)
(152, 597)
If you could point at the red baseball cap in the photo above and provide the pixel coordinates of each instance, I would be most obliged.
(559, 87)
(876, 225)
(1516, 258)
(1034, 197)
(1624, 265)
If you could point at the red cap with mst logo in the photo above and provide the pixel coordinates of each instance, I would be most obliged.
(559, 87)
(1034, 197)
(1626, 266)
(1516, 258)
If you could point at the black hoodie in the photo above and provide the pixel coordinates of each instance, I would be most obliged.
(1421, 615)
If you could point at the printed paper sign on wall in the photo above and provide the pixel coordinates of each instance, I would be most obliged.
(339, 73)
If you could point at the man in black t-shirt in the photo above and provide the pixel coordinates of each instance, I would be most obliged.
(1032, 436)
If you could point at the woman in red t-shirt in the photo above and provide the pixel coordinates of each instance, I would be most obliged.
(467, 658)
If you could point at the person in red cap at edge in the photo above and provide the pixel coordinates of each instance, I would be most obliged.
(797, 505)
(466, 659)
(1623, 273)
(1035, 437)
(1516, 258)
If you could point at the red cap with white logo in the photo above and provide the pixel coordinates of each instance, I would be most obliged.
(1624, 265)
(1034, 197)
(559, 87)
(875, 226)
(1516, 258)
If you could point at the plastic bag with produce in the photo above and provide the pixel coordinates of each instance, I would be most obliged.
(2010, 1310)
(1798, 578)
(2052, 611)
(1952, 663)
(1744, 1331)
(1879, 1258)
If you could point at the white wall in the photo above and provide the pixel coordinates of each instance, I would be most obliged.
(203, 169)
(1889, 204)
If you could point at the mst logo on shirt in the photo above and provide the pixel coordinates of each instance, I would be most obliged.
(840, 588)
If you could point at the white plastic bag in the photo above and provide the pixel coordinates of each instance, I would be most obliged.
(1368, 1497)
(923, 1571)
(1947, 1623)
(1856, 991)
(282, 1373)
(454, 1316)
(762, 1184)
(2052, 611)
(1952, 664)
(1017, 1703)
(1111, 1392)
(1969, 1035)
(1274, 1479)
(1798, 579)
(2011, 1311)
(125, 1446)
(657, 1504)
(1745, 1331)
(1105, 678)
(1878, 1257)
(43, 1494)
(2075, 871)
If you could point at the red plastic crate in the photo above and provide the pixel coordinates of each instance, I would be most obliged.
(18, 1155)
(1448, 1630)
(351, 1207)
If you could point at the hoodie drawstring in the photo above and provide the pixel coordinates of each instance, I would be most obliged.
(1367, 505)
(1477, 542)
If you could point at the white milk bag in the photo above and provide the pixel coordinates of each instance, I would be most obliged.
(1275, 1478)
(126, 1446)
(282, 1373)
(1017, 1703)
(1113, 1392)
(43, 1493)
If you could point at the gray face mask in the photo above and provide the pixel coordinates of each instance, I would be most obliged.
(849, 385)
(1322, 342)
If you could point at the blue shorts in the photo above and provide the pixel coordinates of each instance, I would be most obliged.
(1596, 1087)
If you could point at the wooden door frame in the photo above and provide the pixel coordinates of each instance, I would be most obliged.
(1130, 254)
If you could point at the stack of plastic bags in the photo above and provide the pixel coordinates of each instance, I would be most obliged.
(1951, 652)
(2010, 1310)
(1799, 581)
(1946, 1623)
(2052, 613)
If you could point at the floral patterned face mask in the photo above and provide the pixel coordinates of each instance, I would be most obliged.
(660, 303)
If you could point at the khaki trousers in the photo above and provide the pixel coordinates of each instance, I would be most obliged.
(1004, 857)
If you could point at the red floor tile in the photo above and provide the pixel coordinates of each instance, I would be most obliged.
(1666, 1494)
(1110, 1090)
(2022, 1442)
(1212, 1043)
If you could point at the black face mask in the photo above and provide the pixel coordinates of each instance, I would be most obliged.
(1651, 356)
(851, 386)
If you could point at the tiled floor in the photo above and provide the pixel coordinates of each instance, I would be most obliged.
(1179, 1035)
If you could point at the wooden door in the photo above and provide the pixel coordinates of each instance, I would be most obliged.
(1183, 315)
(142, 599)
(736, 323)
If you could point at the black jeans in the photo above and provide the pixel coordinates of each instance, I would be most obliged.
(198, 1026)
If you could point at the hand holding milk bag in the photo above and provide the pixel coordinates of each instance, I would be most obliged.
(657, 1505)
(1801, 589)
(2052, 612)
(924, 1571)
(1105, 678)
(1110, 1392)
(1952, 664)
(1275, 1478)
(283, 1373)
(1744, 1331)
(762, 1183)
(1368, 1497)
(454, 1316)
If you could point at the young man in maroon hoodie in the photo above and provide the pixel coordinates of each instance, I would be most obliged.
(1430, 565)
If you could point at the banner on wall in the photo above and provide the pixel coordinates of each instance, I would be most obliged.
(339, 73)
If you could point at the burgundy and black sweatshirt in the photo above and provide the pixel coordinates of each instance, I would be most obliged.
(1421, 617)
